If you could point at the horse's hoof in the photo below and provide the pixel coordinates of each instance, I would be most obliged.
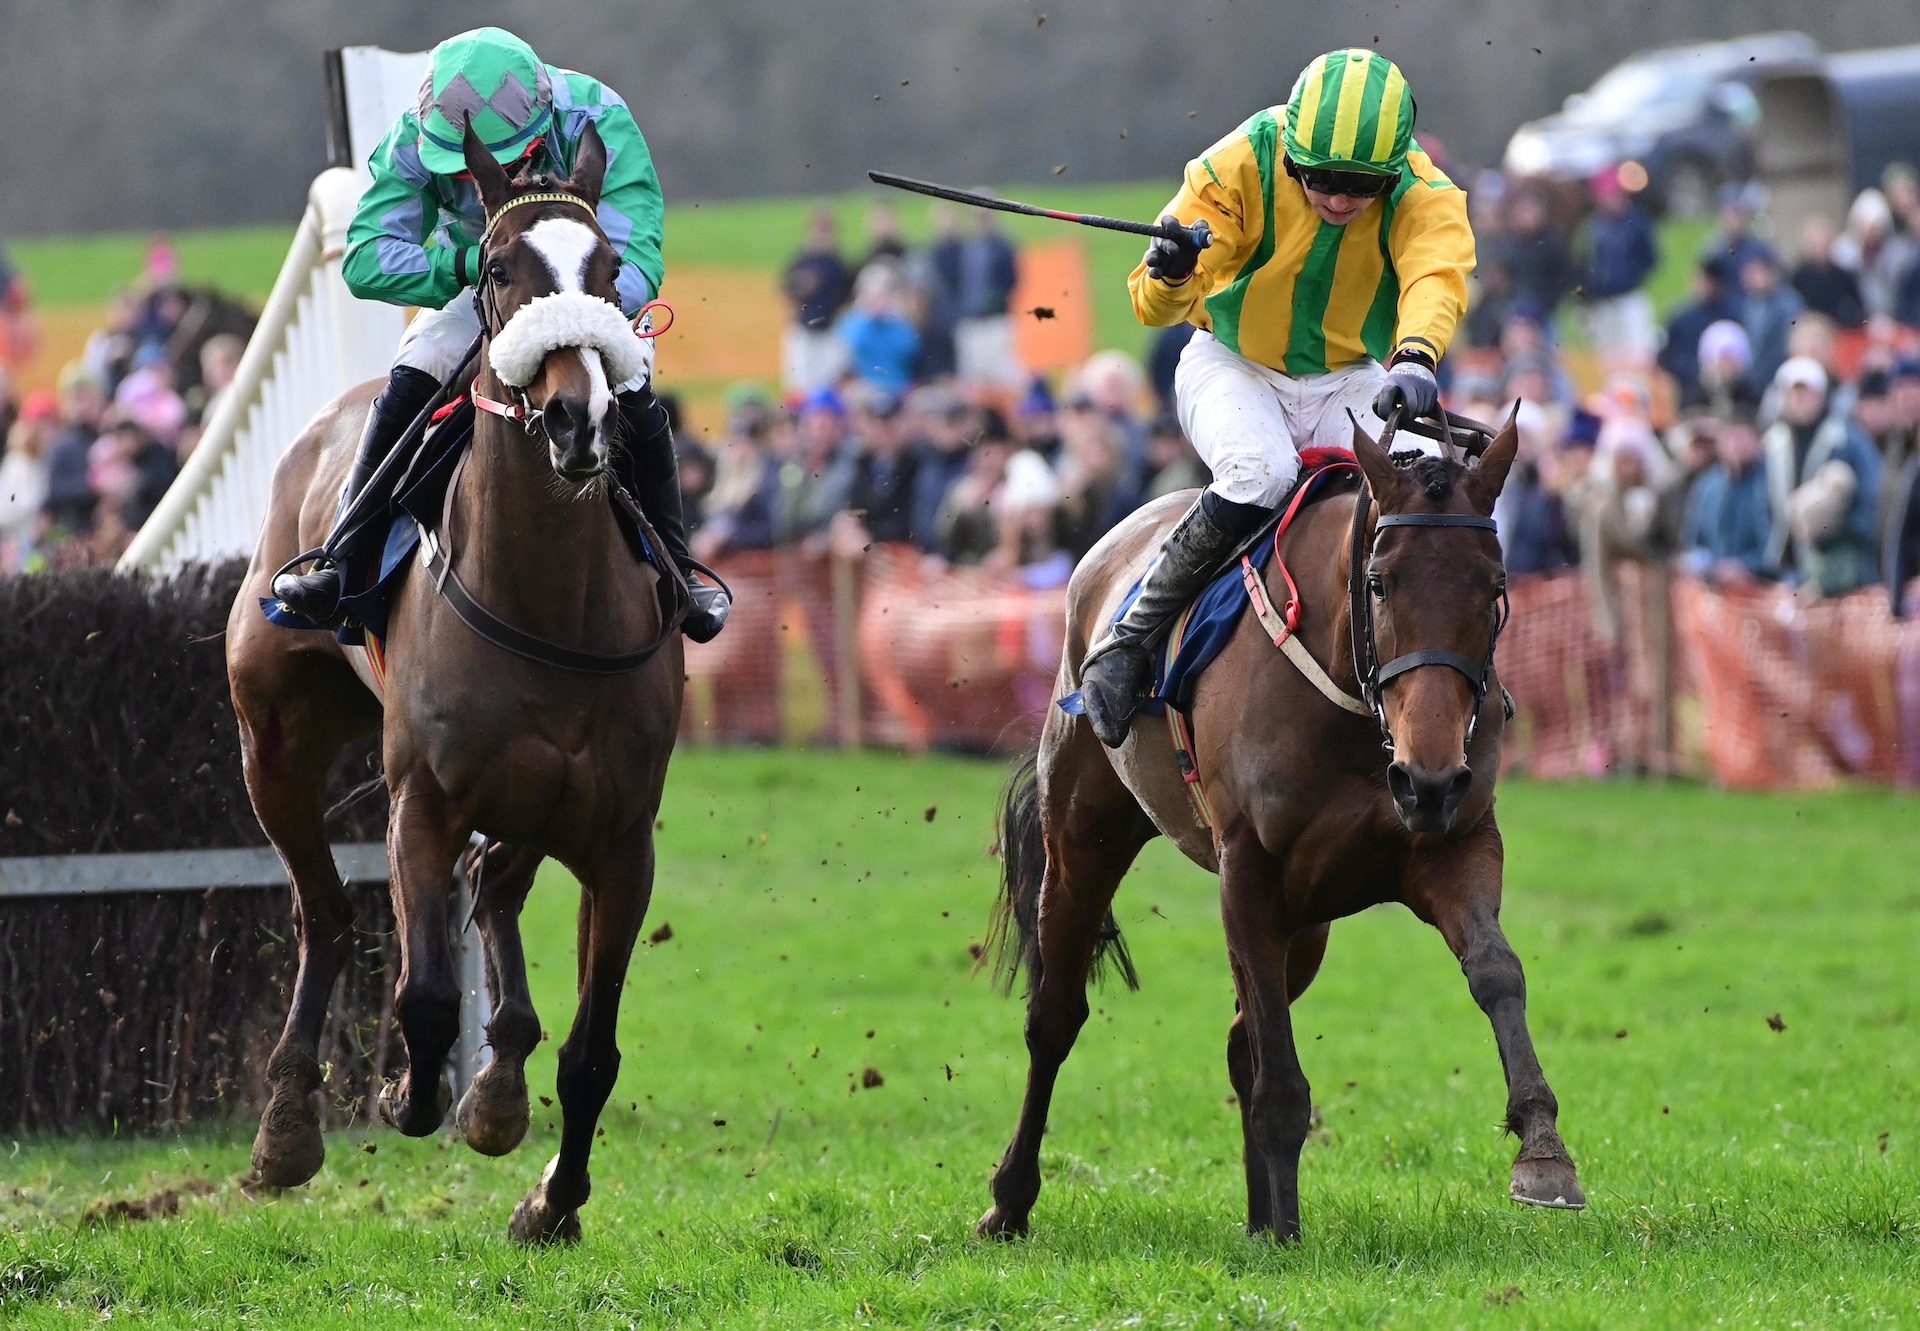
(493, 1114)
(1549, 1183)
(287, 1150)
(536, 1223)
(1283, 1235)
(285, 1155)
(399, 1110)
(1002, 1225)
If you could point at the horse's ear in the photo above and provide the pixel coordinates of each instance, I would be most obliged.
(1383, 478)
(487, 174)
(1485, 481)
(589, 166)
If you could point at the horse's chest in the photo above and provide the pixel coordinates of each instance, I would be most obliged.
(1341, 860)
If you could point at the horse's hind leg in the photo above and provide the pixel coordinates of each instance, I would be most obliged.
(493, 1113)
(1093, 829)
(1304, 954)
(614, 899)
(1456, 889)
(295, 711)
(422, 844)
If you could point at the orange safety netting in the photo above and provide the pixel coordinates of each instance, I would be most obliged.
(1752, 687)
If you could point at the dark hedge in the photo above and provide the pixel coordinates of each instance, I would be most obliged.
(136, 1011)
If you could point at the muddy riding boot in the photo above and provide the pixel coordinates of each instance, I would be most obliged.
(653, 474)
(1119, 667)
(317, 592)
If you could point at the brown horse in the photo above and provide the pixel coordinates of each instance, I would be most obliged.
(560, 762)
(1310, 823)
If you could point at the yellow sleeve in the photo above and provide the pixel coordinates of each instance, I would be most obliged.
(1221, 188)
(1432, 248)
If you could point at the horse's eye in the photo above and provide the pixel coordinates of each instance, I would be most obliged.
(1377, 585)
(497, 271)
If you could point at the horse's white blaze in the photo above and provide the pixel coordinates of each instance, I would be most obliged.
(598, 397)
(565, 245)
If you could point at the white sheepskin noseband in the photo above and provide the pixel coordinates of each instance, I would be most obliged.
(565, 319)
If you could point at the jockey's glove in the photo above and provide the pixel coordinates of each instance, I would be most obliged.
(1410, 385)
(1173, 261)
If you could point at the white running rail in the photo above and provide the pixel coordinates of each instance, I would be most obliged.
(313, 342)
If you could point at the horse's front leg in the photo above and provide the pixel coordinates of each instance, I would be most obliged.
(422, 844)
(1455, 887)
(614, 897)
(493, 1114)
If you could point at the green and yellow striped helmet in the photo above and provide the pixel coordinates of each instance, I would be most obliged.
(1350, 111)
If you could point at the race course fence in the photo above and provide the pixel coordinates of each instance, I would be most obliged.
(1752, 688)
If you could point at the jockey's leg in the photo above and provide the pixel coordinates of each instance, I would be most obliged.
(1327, 399)
(1233, 412)
(429, 353)
(647, 466)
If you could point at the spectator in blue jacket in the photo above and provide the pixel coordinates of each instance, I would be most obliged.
(1620, 256)
(882, 343)
(1729, 514)
(1767, 310)
(1713, 300)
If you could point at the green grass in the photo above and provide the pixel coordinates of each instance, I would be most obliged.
(822, 906)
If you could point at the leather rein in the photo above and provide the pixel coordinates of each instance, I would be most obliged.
(436, 543)
(1372, 674)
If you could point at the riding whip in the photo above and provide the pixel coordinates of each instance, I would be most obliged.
(1195, 236)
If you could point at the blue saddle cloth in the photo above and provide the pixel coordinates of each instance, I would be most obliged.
(418, 504)
(1216, 613)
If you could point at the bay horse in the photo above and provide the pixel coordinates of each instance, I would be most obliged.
(561, 760)
(1403, 593)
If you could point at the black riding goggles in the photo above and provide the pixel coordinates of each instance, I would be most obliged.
(1353, 184)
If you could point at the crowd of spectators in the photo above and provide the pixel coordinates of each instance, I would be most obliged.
(1768, 432)
(85, 462)
(1765, 428)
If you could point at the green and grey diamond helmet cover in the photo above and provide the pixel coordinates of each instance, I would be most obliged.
(492, 80)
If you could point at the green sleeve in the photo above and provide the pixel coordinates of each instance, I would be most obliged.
(388, 258)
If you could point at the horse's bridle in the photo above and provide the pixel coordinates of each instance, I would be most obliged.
(1369, 672)
(521, 409)
(436, 542)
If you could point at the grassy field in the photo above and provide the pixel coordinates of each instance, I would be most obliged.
(822, 906)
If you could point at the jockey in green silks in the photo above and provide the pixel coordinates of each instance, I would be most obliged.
(415, 240)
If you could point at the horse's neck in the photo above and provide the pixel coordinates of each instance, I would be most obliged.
(1326, 592)
(549, 560)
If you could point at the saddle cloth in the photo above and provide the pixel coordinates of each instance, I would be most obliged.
(1206, 628)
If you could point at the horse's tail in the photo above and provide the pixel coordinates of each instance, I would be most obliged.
(1013, 938)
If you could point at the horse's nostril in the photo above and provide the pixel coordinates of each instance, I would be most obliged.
(564, 419)
(1400, 785)
(1458, 787)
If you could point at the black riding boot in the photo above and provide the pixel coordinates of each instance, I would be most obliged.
(655, 481)
(1118, 670)
(317, 592)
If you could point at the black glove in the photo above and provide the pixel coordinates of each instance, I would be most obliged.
(1410, 385)
(1175, 260)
